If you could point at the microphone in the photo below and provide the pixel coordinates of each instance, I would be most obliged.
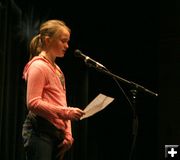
(89, 61)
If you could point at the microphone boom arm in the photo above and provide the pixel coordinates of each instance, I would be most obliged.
(130, 83)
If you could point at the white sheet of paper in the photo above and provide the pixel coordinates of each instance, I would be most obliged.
(96, 105)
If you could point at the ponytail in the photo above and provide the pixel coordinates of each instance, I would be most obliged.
(35, 46)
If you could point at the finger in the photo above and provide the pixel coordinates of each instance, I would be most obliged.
(60, 156)
(61, 144)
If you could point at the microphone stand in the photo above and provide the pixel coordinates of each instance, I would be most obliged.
(136, 87)
(134, 123)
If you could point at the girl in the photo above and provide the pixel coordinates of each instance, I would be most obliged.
(47, 128)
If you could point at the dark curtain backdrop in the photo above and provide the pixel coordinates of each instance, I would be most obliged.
(169, 128)
(124, 37)
(11, 110)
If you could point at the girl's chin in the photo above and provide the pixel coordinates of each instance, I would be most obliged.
(61, 56)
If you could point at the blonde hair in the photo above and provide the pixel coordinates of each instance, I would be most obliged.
(50, 28)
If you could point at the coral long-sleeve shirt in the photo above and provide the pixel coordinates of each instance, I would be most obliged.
(46, 93)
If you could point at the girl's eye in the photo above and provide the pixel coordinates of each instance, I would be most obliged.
(64, 40)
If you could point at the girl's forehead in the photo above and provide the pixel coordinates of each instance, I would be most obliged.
(64, 33)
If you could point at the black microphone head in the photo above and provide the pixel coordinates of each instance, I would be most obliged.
(77, 53)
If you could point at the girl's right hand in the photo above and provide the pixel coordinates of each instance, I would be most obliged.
(75, 113)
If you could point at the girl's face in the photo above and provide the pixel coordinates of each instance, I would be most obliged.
(58, 46)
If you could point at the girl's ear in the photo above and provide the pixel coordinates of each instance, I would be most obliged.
(47, 40)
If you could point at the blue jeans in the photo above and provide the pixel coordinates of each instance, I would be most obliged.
(42, 147)
(41, 139)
